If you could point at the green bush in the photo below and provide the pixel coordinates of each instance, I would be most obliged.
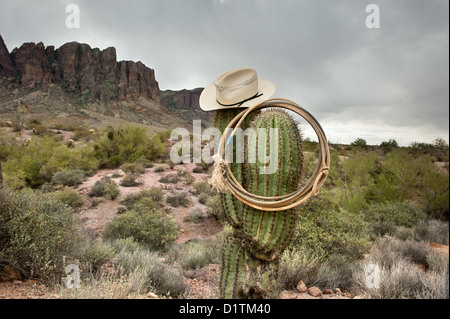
(105, 187)
(147, 225)
(127, 144)
(411, 176)
(68, 177)
(178, 199)
(435, 231)
(132, 168)
(36, 161)
(129, 180)
(169, 179)
(154, 193)
(214, 207)
(203, 188)
(163, 278)
(70, 197)
(35, 233)
(159, 169)
(196, 216)
(394, 213)
(327, 231)
(95, 254)
(200, 253)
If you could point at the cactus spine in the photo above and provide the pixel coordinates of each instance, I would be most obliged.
(250, 256)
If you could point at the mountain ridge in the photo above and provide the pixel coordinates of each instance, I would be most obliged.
(88, 83)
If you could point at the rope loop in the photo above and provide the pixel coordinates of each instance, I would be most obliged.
(223, 180)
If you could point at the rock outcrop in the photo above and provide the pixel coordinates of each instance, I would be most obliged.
(184, 99)
(6, 65)
(78, 68)
(186, 103)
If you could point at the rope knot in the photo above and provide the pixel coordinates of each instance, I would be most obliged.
(218, 180)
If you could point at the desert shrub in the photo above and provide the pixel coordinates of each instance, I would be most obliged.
(37, 161)
(146, 224)
(384, 217)
(200, 253)
(105, 187)
(135, 261)
(132, 168)
(169, 179)
(435, 231)
(403, 281)
(127, 144)
(159, 169)
(144, 162)
(203, 187)
(39, 129)
(178, 199)
(196, 216)
(47, 188)
(189, 179)
(83, 132)
(296, 265)
(418, 178)
(32, 120)
(35, 233)
(398, 274)
(154, 193)
(354, 178)
(68, 177)
(198, 169)
(95, 254)
(129, 180)
(70, 197)
(331, 231)
(214, 207)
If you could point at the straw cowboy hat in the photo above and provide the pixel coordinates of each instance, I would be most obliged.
(236, 88)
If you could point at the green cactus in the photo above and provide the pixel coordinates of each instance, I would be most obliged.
(250, 257)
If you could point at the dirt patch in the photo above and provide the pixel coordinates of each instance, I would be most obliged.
(95, 218)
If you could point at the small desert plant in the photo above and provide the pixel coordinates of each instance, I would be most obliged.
(155, 275)
(36, 232)
(68, 177)
(129, 180)
(146, 224)
(214, 207)
(178, 199)
(196, 216)
(132, 168)
(69, 197)
(95, 254)
(169, 179)
(105, 187)
(199, 253)
(153, 193)
(435, 231)
(159, 169)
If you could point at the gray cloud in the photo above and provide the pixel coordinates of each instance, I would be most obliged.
(359, 82)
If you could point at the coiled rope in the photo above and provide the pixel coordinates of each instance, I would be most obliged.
(223, 179)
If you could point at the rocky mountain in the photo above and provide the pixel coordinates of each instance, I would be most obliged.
(88, 83)
(186, 102)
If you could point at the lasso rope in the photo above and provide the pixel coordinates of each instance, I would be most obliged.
(223, 179)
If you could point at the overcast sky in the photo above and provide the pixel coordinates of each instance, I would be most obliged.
(380, 83)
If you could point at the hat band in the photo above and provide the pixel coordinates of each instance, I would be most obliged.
(243, 101)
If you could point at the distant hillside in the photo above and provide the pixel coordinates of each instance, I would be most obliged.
(77, 83)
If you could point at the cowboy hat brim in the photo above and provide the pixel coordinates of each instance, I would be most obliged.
(208, 100)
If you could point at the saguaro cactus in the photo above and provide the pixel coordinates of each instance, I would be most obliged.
(251, 253)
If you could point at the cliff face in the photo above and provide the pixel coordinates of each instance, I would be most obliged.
(82, 83)
(186, 102)
(80, 69)
(184, 99)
